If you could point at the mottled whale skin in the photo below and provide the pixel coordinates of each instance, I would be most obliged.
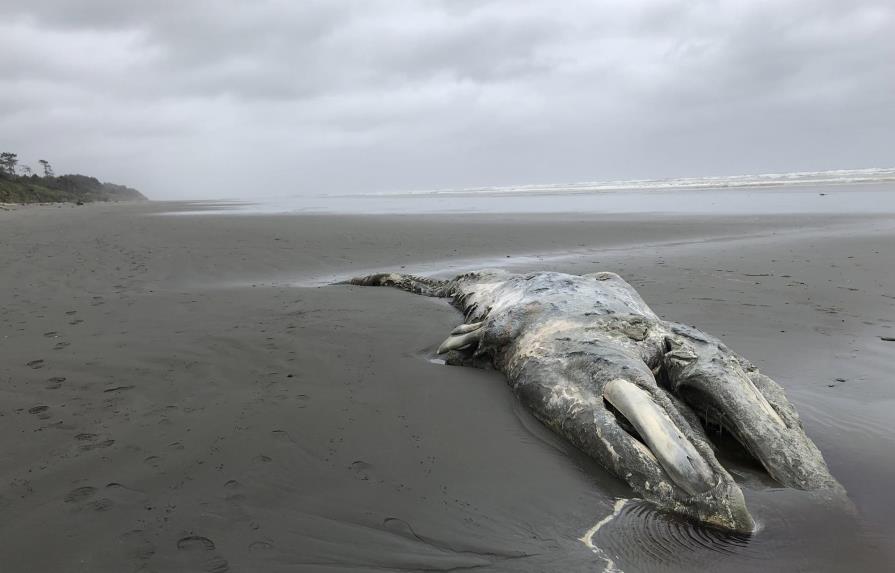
(589, 358)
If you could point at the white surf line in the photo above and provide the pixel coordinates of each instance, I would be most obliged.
(743, 181)
(588, 537)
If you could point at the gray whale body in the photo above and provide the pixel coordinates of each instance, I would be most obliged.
(589, 358)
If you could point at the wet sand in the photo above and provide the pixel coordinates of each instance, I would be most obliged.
(178, 396)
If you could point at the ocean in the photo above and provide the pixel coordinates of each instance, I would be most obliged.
(858, 191)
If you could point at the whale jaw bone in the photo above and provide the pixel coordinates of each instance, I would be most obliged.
(684, 465)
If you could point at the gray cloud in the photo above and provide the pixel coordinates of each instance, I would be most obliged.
(214, 98)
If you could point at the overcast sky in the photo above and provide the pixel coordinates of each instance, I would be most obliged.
(214, 98)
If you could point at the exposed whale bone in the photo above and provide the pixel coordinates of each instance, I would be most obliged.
(594, 363)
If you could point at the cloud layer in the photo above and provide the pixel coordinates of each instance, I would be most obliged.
(240, 99)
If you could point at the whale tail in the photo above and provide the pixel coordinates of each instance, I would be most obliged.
(411, 283)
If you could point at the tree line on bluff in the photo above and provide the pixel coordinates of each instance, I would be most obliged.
(19, 184)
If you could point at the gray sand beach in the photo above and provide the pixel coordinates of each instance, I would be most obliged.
(185, 393)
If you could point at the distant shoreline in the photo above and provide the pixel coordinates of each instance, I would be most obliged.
(76, 189)
(17, 206)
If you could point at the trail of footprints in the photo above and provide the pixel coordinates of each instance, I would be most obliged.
(196, 550)
(191, 551)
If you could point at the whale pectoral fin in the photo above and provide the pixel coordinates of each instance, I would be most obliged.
(468, 327)
(460, 341)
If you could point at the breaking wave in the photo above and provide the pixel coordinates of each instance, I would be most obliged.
(834, 177)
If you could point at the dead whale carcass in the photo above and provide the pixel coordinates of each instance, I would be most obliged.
(594, 363)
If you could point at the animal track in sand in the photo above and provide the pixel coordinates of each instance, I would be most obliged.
(35, 364)
(61, 345)
(38, 409)
(86, 436)
(55, 382)
(51, 334)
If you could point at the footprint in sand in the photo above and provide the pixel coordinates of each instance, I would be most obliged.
(75, 321)
(282, 436)
(234, 495)
(122, 494)
(35, 364)
(51, 334)
(97, 445)
(79, 494)
(199, 551)
(101, 504)
(361, 469)
(38, 409)
(61, 345)
(117, 389)
(55, 382)
(195, 543)
(136, 545)
(258, 546)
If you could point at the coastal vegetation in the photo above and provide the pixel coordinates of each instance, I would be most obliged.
(20, 184)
